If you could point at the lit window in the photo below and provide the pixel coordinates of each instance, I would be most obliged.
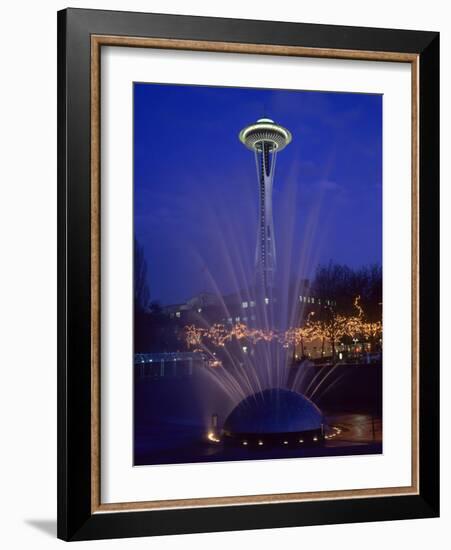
(245, 305)
(252, 304)
(237, 319)
(300, 298)
(266, 300)
(230, 319)
(177, 314)
(313, 300)
(199, 310)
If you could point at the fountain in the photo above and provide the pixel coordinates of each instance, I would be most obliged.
(266, 412)
(274, 416)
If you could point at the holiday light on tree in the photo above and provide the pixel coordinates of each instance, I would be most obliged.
(332, 329)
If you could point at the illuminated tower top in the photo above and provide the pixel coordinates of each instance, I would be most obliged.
(265, 131)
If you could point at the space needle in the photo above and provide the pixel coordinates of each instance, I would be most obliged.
(266, 139)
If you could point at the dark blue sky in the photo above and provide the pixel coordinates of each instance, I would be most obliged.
(196, 190)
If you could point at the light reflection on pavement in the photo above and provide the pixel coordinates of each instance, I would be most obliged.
(353, 428)
(353, 434)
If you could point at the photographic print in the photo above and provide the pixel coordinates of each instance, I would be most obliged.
(257, 273)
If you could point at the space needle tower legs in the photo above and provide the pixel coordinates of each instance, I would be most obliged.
(265, 139)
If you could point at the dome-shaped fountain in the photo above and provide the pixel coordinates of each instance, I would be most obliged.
(274, 416)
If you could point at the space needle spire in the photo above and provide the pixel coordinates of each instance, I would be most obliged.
(265, 138)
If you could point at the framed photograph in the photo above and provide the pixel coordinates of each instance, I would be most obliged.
(248, 274)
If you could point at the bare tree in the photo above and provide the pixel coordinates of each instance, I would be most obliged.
(141, 285)
(337, 285)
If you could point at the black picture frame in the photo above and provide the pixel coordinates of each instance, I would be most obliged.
(76, 521)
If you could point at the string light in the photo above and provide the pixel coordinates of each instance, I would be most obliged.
(333, 329)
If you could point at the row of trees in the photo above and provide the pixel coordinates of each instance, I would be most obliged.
(351, 309)
(335, 328)
(331, 327)
(356, 313)
(341, 284)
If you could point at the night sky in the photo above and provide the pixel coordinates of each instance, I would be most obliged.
(196, 189)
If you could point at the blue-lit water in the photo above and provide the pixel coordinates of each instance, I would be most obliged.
(173, 415)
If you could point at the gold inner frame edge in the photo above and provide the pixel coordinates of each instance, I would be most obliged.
(97, 41)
